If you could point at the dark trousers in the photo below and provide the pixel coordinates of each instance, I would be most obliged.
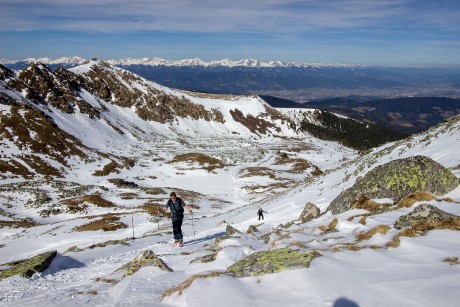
(261, 215)
(177, 229)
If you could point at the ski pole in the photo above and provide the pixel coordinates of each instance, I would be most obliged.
(193, 224)
(132, 223)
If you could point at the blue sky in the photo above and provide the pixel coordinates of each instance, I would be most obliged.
(393, 32)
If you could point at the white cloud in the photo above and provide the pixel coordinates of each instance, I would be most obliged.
(219, 16)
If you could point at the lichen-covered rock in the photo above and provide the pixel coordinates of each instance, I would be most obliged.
(28, 267)
(252, 229)
(146, 258)
(310, 211)
(230, 231)
(396, 180)
(427, 214)
(274, 261)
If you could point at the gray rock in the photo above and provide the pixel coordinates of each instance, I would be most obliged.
(426, 213)
(310, 211)
(252, 229)
(28, 267)
(230, 231)
(396, 180)
(146, 258)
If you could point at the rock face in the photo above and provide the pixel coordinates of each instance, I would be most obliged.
(274, 261)
(396, 180)
(310, 211)
(28, 267)
(428, 214)
(146, 258)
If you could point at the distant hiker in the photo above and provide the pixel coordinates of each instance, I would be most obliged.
(176, 206)
(260, 212)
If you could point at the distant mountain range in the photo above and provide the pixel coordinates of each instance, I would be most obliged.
(404, 99)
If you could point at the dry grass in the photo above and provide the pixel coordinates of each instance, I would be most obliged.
(362, 220)
(382, 229)
(107, 222)
(452, 260)
(422, 228)
(107, 280)
(80, 204)
(184, 285)
(107, 169)
(254, 124)
(371, 206)
(333, 224)
(258, 172)
(206, 162)
(26, 223)
(408, 201)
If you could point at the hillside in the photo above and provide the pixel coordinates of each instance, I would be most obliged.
(89, 154)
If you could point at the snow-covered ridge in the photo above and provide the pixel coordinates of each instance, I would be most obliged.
(184, 62)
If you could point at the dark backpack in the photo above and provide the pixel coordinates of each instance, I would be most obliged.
(179, 213)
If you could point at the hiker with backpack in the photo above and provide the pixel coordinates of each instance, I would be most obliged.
(176, 205)
(260, 212)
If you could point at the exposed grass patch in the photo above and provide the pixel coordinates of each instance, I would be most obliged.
(107, 222)
(408, 201)
(422, 228)
(452, 260)
(107, 280)
(24, 223)
(80, 204)
(382, 229)
(108, 169)
(371, 206)
(206, 162)
(187, 283)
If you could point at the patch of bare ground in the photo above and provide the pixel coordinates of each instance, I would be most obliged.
(258, 171)
(254, 124)
(107, 280)
(108, 169)
(80, 204)
(206, 162)
(23, 223)
(422, 228)
(187, 283)
(452, 260)
(298, 165)
(371, 206)
(408, 201)
(366, 235)
(362, 219)
(106, 222)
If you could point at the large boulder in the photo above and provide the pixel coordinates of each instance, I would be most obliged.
(396, 180)
(310, 211)
(28, 267)
(429, 216)
(274, 261)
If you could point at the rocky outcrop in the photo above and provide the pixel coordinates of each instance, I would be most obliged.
(28, 267)
(396, 180)
(428, 215)
(252, 229)
(310, 211)
(144, 259)
(230, 231)
(274, 261)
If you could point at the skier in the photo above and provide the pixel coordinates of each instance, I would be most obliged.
(260, 212)
(176, 206)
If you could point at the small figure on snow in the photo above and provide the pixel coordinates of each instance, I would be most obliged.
(176, 205)
(260, 212)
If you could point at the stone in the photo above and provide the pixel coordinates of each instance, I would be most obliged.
(274, 261)
(310, 211)
(28, 267)
(427, 214)
(396, 180)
